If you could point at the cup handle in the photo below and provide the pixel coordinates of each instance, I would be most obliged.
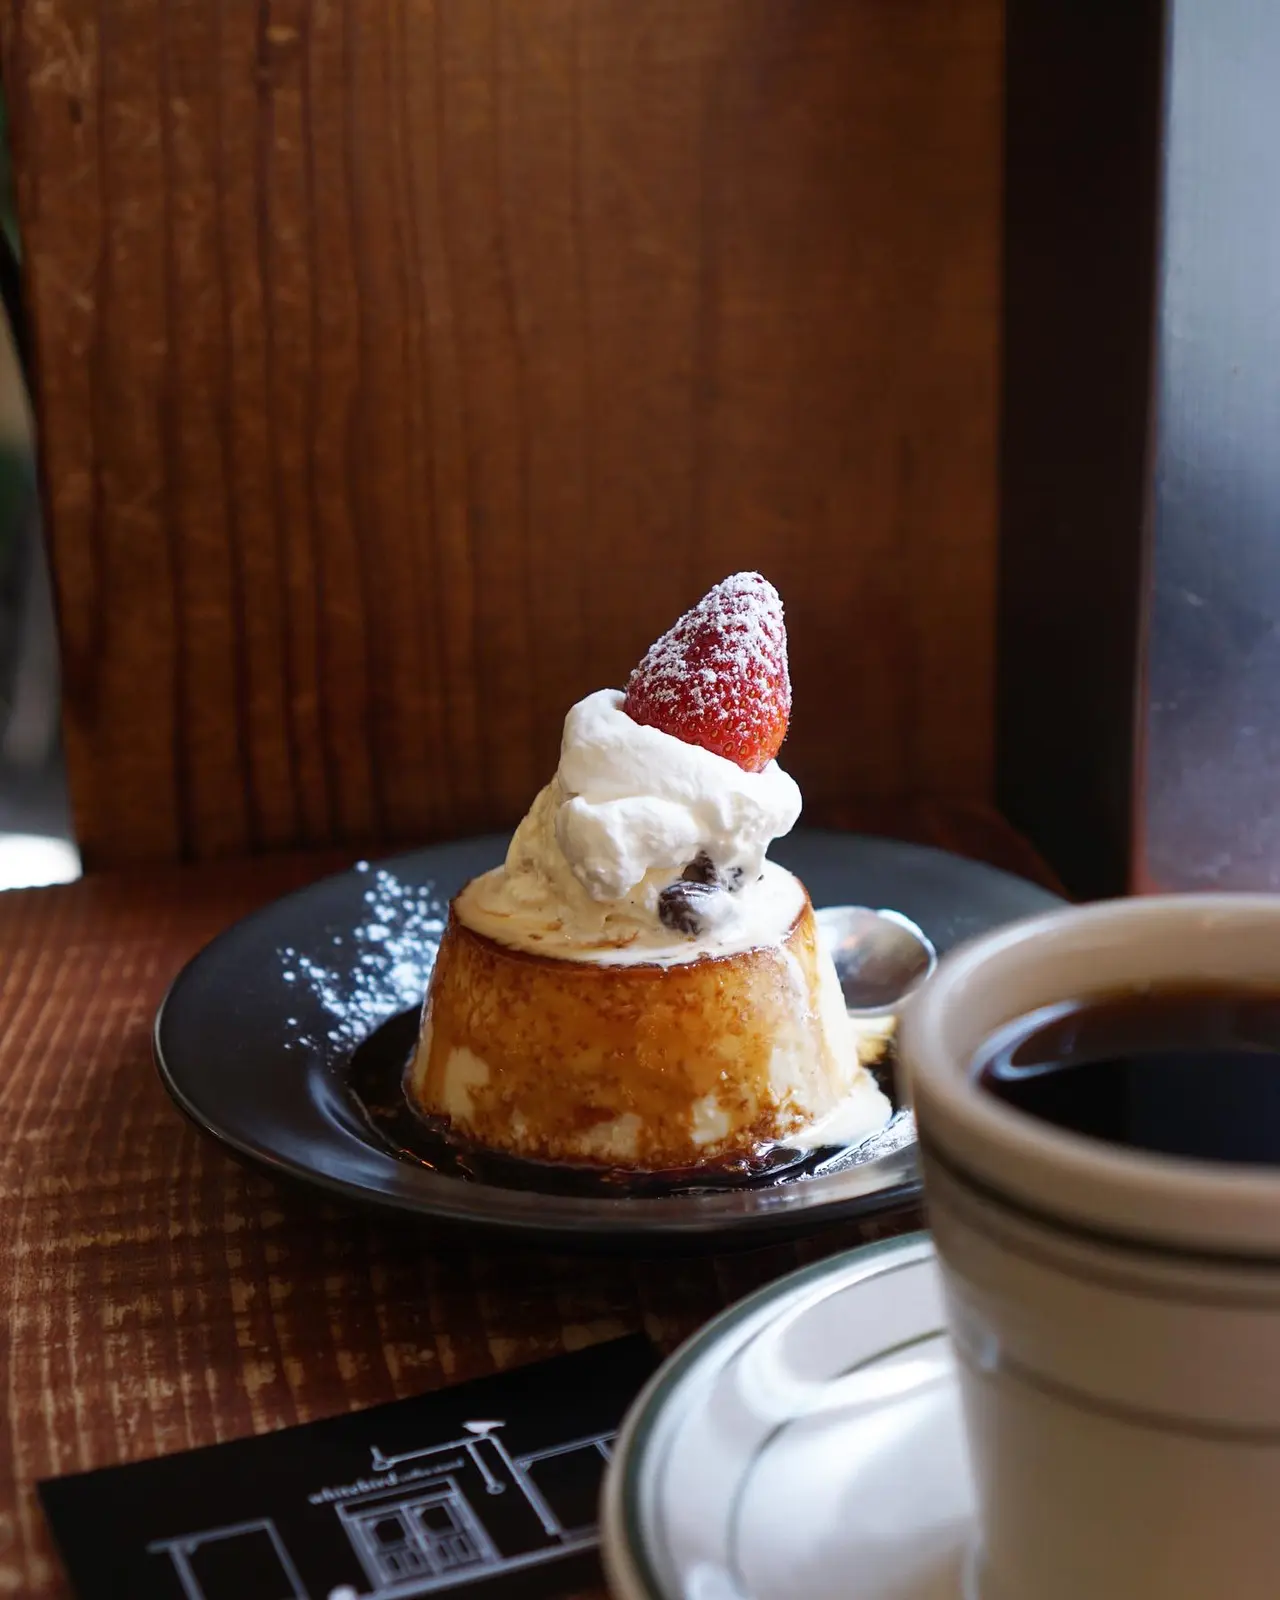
(775, 1393)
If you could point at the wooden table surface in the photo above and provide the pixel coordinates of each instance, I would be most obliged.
(162, 1296)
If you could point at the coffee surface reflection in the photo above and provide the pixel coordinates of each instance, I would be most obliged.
(1191, 1072)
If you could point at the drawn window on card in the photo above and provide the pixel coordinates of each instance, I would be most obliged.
(245, 1558)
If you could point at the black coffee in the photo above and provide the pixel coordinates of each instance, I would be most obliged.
(1187, 1071)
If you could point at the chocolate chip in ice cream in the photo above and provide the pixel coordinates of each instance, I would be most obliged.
(703, 870)
(681, 903)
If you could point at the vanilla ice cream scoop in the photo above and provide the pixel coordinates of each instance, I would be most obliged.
(628, 814)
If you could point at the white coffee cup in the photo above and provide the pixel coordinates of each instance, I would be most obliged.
(1115, 1313)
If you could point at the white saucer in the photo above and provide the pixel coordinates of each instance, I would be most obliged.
(740, 1474)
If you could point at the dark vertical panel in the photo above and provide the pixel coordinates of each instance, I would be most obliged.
(1082, 145)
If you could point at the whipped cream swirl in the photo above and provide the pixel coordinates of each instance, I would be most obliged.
(629, 809)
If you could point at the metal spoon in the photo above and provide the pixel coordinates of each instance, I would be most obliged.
(880, 956)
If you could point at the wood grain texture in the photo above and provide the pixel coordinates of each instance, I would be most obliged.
(406, 365)
(161, 1296)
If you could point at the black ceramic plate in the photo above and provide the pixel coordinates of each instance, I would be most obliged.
(270, 1036)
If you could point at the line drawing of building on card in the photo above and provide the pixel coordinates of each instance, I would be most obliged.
(419, 1521)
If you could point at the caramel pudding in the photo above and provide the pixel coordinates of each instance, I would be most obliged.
(638, 985)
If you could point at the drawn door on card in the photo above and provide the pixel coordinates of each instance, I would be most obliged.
(430, 1534)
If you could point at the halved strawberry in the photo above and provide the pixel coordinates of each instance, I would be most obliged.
(719, 678)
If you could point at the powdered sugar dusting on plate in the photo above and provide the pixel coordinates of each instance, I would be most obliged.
(378, 968)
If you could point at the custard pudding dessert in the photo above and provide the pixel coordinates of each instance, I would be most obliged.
(638, 986)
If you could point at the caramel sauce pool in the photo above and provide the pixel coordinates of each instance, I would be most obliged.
(376, 1087)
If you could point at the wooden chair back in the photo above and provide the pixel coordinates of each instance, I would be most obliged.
(404, 366)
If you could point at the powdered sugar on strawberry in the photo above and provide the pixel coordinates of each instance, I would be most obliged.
(719, 677)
